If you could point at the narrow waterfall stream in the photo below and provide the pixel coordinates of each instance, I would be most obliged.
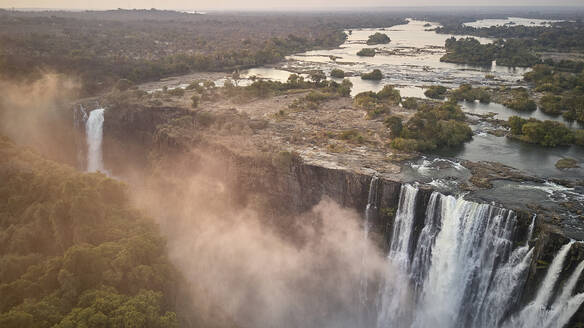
(461, 270)
(370, 211)
(94, 136)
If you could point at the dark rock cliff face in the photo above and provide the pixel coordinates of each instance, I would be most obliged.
(291, 187)
(129, 135)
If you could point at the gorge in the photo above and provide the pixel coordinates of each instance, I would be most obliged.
(450, 261)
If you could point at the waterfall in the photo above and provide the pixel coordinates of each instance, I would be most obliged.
(94, 136)
(364, 289)
(372, 200)
(540, 313)
(530, 229)
(370, 211)
(463, 271)
(396, 298)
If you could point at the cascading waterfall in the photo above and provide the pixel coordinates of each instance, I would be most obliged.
(94, 136)
(370, 210)
(540, 313)
(461, 270)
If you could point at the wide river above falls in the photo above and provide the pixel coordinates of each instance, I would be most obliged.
(411, 61)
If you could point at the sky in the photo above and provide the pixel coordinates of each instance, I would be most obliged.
(270, 4)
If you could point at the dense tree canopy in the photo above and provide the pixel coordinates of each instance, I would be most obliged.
(141, 45)
(73, 253)
(506, 52)
(432, 127)
(544, 133)
(563, 86)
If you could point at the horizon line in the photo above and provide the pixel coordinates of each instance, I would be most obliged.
(303, 8)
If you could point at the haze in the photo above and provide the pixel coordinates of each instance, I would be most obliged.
(265, 4)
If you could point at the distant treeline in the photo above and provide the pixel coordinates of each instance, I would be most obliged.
(142, 45)
(565, 36)
(512, 52)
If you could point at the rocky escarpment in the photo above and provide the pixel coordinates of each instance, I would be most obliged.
(290, 187)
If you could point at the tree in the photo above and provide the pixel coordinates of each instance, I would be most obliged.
(373, 75)
(394, 123)
(337, 73)
(378, 38)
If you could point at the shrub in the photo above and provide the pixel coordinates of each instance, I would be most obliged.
(435, 92)
(394, 123)
(373, 75)
(410, 103)
(467, 93)
(405, 144)
(338, 73)
(520, 101)
(544, 133)
(430, 128)
(378, 38)
(352, 136)
(177, 92)
(550, 104)
(366, 52)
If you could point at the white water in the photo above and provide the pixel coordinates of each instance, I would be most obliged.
(530, 232)
(461, 270)
(540, 313)
(94, 136)
(370, 210)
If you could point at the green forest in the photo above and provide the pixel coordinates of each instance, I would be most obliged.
(513, 53)
(432, 127)
(563, 86)
(74, 253)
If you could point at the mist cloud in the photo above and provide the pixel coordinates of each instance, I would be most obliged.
(236, 261)
(34, 114)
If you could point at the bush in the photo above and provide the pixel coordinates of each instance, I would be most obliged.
(378, 38)
(547, 133)
(430, 128)
(467, 93)
(373, 75)
(435, 92)
(317, 76)
(352, 136)
(378, 103)
(544, 133)
(395, 124)
(338, 73)
(516, 124)
(567, 163)
(410, 103)
(177, 92)
(520, 101)
(366, 52)
(550, 104)
(405, 144)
